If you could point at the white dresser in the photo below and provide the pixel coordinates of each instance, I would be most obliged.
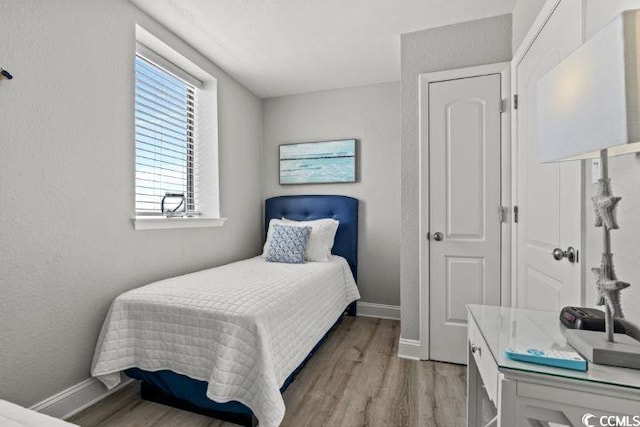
(506, 393)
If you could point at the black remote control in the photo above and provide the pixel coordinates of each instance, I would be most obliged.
(590, 319)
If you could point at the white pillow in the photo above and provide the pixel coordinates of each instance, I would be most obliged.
(323, 234)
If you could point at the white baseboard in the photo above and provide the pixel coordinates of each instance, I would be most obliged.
(76, 398)
(382, 311)
(409, 349)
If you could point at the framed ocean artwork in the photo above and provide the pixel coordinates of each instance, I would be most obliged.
(318, 162)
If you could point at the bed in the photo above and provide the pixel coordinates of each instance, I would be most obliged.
(12, 415)
(228, 341)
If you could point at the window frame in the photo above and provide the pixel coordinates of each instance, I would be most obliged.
(179, 58)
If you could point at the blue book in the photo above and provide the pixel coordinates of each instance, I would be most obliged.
(555, 358)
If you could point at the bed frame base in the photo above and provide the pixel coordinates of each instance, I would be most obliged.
(352, 309)
(154, 394)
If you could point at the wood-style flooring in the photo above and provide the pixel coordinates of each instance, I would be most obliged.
(353, 380)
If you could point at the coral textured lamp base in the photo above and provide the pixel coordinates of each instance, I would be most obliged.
(624, 351)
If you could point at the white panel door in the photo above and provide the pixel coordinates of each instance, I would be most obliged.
(464, 198)
(548, 195)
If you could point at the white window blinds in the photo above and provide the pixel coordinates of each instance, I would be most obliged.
(164, 137)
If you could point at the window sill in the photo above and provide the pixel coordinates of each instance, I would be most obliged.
(163, 223)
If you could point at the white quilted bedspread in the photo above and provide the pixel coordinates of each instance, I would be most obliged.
(243, 327)
(12, 415)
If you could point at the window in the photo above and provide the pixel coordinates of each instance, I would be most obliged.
(176, 135)
(165, 138)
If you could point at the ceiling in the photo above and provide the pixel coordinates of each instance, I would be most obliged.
(283, 47)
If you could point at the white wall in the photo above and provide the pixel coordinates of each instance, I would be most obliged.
(524, 13)
(625, 178)
(67, 245)
(372, 115)
(468, 44)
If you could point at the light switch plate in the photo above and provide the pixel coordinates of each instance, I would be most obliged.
(595, 171)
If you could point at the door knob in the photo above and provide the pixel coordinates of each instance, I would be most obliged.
(475, 348)
(438, 236)
(570, 254)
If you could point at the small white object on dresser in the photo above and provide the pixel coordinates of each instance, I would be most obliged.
(507, 393)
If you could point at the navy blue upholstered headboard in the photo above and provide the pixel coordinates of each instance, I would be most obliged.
(305, 208)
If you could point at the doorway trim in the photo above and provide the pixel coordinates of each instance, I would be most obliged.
(502, 68)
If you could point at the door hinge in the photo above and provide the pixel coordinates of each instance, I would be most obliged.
(515, 214)
(515, 102)
(501, 213)
(504, 105)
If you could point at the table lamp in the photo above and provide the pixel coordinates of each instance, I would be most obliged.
(588, 107)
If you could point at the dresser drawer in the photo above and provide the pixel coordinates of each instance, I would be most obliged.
(487, 366)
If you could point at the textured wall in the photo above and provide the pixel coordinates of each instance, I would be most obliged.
(371, 114)
(479, 42)
(67, 244)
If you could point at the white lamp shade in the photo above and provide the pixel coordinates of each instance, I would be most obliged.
(590, 101)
